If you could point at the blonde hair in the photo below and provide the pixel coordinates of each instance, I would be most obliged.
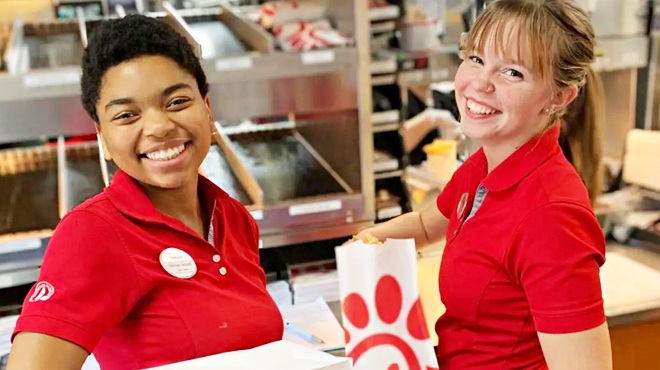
(582, 126)
(555, 38)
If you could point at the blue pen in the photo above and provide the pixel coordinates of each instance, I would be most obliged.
(303, 334)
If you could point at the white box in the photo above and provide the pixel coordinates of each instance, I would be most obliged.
(280, 355)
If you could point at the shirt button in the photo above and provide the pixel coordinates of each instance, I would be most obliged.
(223, 271)
(216, 258)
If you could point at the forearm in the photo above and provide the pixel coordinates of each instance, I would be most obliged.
(586, 350)
(406, 226)
(34, 351)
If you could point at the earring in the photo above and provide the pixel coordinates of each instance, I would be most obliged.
(490, 89)
(549, 111)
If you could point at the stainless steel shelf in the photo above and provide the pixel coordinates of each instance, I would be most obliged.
(388, 212)
(380, 27)
(383, 80)
(239, 86)
(386, 63)
(386, 127)
(278, 65)
(389, 116)
(303, 235)
(10, 279)
(384, 13)
(388, 175)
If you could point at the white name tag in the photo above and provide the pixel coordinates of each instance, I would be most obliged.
(178, 263)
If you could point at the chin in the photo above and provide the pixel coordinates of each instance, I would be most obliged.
(476, 131)
(169, 181)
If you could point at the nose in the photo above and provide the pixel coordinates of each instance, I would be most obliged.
(482, 82)
(156, 123)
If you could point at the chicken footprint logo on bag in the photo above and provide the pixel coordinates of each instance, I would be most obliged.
(390, 314)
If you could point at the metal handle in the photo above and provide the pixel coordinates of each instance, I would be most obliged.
(120, 11)
(82, 25)
(102, 162)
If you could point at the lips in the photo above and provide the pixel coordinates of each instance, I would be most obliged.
(167, 154)
(166, 151)
(480, 108)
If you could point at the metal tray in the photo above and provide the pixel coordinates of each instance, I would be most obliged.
(28, 190)
(217, 169)
(285, 166)
(82, 174)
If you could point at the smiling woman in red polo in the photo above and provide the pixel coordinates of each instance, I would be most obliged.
(163, 266)
(520, 270)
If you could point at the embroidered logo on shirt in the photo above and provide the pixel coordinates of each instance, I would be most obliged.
(42, 292)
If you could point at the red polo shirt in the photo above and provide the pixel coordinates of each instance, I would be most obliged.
(527, 260)
(102, 285)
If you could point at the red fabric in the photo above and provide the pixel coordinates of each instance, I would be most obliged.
(527, 261)
(112, 297)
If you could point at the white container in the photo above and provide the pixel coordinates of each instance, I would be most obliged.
(424, 22)
(419, 37)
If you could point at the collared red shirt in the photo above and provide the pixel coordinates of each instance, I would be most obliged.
(104, 287)
(523, 258)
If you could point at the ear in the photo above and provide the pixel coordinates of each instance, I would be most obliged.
(563, 98)
(207, 102)
(106, 153)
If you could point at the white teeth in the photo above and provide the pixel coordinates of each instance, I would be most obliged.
(478, 108)
(167, 154)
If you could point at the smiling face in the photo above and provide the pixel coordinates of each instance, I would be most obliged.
(502, 91)
(153, 121)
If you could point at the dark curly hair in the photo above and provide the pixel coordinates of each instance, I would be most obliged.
(116, 41)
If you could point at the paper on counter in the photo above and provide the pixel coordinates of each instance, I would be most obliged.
(317, 319)
(628, 286)
(280, 355)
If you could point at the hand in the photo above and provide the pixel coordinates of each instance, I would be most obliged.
(366, 236)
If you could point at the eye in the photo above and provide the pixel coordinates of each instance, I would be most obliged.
(513, 73)
(475, 59)
(124, 116)
(177, 103)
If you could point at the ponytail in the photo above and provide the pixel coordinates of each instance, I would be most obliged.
(582, 127)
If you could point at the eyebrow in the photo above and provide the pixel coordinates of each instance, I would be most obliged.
(166, 91)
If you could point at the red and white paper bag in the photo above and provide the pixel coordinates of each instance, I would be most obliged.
(382, 314)
(280, 12)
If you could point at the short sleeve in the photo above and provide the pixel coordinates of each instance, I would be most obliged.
(87, 283)
(448, 197)
(556, 257)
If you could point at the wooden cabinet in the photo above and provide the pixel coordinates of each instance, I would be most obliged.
(635, 346)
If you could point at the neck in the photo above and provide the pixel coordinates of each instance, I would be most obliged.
(181, 203)
(496, 153)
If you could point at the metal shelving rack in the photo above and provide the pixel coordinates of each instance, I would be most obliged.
(325, 93)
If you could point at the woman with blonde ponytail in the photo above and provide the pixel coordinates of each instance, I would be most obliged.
(520, 270)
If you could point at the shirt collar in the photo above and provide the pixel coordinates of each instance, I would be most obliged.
(130, 199)
(523, 161)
